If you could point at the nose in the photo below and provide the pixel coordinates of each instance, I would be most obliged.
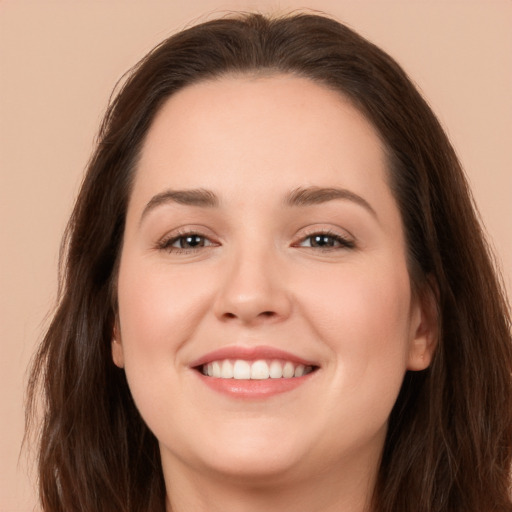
(253, 290)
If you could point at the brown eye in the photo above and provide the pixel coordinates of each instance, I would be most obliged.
(189, 241)
(323, 241)
(185, 242)
(326, 241)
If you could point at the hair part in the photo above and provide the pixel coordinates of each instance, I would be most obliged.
(449, 444)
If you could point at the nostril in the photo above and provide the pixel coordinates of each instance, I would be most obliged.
(265, 314)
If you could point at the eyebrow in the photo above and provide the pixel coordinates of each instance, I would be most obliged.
(299, 197)
(317, 195)
(190, 197)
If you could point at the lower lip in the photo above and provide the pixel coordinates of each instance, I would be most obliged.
(240, 388)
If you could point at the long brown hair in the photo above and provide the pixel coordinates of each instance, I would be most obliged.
(449, 443)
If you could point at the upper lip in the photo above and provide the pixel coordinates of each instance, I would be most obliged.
(250, 353)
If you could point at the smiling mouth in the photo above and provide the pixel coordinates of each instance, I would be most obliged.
(260, 369)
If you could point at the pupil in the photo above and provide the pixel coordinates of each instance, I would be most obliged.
(192, 241)
(322, 240)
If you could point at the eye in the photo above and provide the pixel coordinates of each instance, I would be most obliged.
(191, 241)
(326, 241)
(185, 242)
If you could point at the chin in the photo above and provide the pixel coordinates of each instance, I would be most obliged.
(256, 468)
(260, 456)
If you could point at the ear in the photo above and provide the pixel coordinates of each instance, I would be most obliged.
(424, 327)
(117, 346)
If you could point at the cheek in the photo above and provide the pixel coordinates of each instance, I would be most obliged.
(363, 314)
(155, 303)
(158, 312)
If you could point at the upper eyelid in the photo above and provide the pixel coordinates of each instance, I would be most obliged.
(189, 230)
(331, 230)
(176, 236)
(345, 242)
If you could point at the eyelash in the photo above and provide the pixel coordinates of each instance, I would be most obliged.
(339, 242)
(167, 243)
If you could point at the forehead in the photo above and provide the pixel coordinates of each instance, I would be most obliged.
(248, 137)
(262, 114)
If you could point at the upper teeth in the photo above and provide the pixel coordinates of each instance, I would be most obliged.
(260, 369)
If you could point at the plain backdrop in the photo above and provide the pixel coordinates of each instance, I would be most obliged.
(59, 61)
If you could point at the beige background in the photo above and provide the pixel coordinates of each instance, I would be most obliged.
(58, 63)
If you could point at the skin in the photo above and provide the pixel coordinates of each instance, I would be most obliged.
(257, 280)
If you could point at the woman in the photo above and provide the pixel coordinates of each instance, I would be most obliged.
(276, 292)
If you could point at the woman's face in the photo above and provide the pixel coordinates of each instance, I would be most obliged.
(262, 236)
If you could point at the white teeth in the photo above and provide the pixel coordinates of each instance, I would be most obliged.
(227, 369)
(255, 370)
(299, 370)
(276, 370)
(259, 370)
(288, 370)
(241, 369)
(216, 369)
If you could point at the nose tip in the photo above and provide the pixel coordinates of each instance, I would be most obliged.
(253, 291)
